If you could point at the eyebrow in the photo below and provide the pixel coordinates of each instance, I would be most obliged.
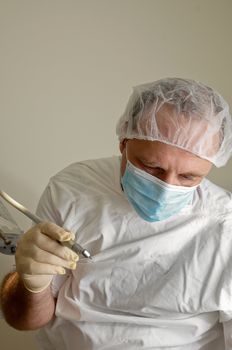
(158, 165)
(192, 174)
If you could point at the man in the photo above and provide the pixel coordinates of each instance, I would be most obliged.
(158, 230)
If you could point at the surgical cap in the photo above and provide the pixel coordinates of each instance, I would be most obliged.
(182, 113)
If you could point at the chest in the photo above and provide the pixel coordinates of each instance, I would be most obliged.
(149, 270)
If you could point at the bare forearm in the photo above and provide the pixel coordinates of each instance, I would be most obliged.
(22, 309)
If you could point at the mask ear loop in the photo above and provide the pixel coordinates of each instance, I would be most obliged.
(126, 152)
(125, 167)
(128, 162)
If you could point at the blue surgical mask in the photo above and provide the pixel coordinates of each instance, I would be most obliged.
(152, 198)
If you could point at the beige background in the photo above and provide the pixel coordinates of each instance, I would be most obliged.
(66, 71)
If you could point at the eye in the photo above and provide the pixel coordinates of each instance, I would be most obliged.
(154, 170)
(188, 177)
(148, 169)
(160, 170)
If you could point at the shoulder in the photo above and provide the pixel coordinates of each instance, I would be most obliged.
(95, 171)
(215, 199)
(89, 167)
(87, 177)
(76, 184)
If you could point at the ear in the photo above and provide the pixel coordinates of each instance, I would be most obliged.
(122, 145)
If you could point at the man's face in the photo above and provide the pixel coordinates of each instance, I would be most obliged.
(168, 163)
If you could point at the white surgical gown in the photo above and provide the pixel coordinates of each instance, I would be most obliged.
(161, 285)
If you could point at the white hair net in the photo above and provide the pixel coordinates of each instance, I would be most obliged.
(180, 112)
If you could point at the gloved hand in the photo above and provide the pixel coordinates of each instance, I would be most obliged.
(39, 256)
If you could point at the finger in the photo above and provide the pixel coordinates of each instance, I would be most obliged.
(55, 232)
(38, 264)
(47, 244)
(42, 257)
(45, 269)
(32, 268)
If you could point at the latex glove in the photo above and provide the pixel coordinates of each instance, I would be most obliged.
(39, 256)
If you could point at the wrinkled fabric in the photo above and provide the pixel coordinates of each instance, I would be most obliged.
(162, 285)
